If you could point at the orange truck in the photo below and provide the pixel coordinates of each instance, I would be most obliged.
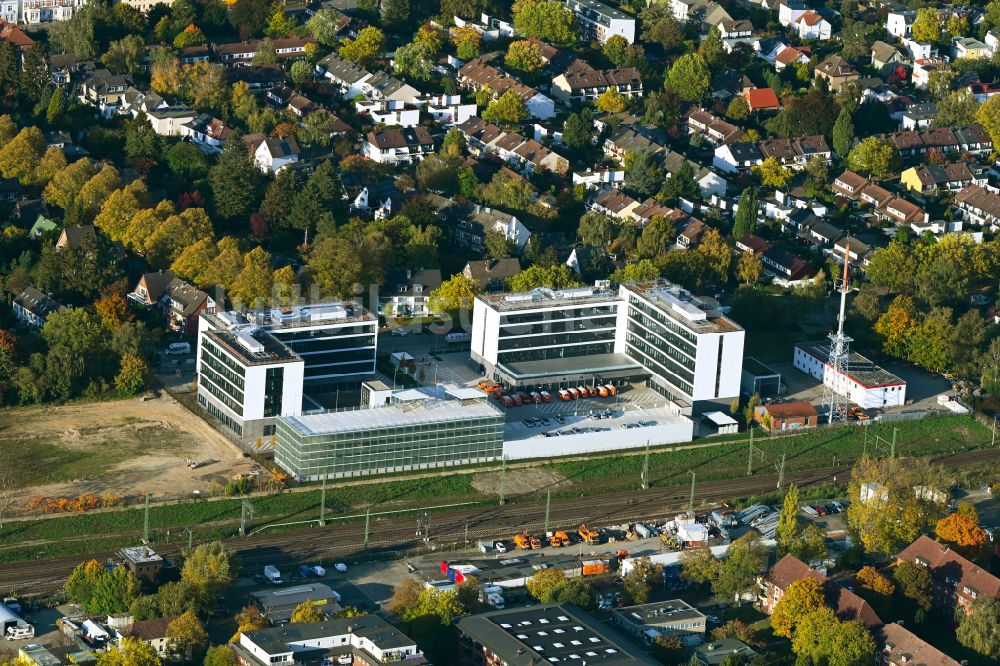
(522, 541)
(588, 535)
(596, 567)
(559, 539)
(536, 543)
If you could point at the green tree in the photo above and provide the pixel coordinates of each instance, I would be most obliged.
(455, 293)
(56, 108)
(614, 50)
(395, 12)
(80, 585)
(324, 26)
(543, 581)
(690, 77)
(114, 592)
(800, 599)
(141, 140)
(550, 21)
(957, 109)
(639, 582)
(642, 271)
(234, 181)
(979, 629)
(125, 56)
(413, 60)
(741, 567)
(220, 655)
(700, 566)
(187, 636)
(370, 42)
(555, 277)
(738, 109)
(336, 266)
(712, 49)
(132, 377)
(8, 68)
(507, 110)
(927, 25)
(249, 17)
(524, 56)
(824, 639)
(578, 130)
(467, 41)
(279, 197)
(642, 173)
(574, 591)
(75, 36)
(745, 219)
(913, 583)
(988, 114)
(35, 77)
(209, 566)
(130, 652)
(874, 156)
(843, 133)
(441, 606)
(497, 244)
(788, 525)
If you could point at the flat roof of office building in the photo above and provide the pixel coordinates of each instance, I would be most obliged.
(253, 346)
(430, 411)
(294, 316)
(859, 368)
(569, 365)
(758, 369)
(543, 297)
(658, 613)
(540, 634)
(701, 315)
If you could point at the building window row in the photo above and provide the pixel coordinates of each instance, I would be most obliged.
(328, 332)
(222, 384)
(223, 363)
(558, 315)
(331, 344)
(548, 353)
(551, 339)
(665, 320)
(337, 369)
(559, 326)
(221, 395)
(646, 355)
(230, 422)
(686, 361)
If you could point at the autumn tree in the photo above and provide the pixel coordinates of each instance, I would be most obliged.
(209, 566)
(188, 637)
(248, 619)
(748, 268)
(611, 101)
(405, 596)
(369, 43)
(771, 173)
(874, 156)
(547, 20)
(801, 598)
(455, 293)
(788, 525)
(870, 578)
(543, 581)
(927, 25)
(255, 281)
(738, 109)
(639, 582)
(132, 376)
(308, 611)
(507, 110)
(467, 41)
(524, 56)
(962, 528)
(130, 651)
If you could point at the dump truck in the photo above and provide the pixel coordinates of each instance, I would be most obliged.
(588, 535)
(559, 539)
(536, 543)
(522, 541)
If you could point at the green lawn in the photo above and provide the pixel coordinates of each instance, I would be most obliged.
(598, 475)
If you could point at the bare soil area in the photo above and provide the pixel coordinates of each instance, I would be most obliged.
(126, 447)
(520, 481)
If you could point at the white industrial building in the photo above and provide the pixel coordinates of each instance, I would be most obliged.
(655, 332)
(255, 366)
(865, 384)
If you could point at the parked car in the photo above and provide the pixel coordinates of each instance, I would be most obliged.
(820, 510)
(808, 509)
(500, 546)
(341, 567)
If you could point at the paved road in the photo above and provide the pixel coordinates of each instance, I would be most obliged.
(344, 539)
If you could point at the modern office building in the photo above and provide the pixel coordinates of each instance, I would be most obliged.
(411, 429)
(543, 634)
(255, 366)
(654, 332)
(662, 618)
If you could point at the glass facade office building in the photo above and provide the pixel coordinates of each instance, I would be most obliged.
(390, 439)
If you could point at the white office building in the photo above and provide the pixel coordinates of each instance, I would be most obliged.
(865, 384)
(255, 366)
(655, 332)
(601, 22)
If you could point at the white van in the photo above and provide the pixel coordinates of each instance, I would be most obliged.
(178, 348)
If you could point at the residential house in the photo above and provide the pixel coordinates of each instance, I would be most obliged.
(257, 78)
(983, 91)
(850, 184)
(796, 153)
(969, 48)
(207, 132)
(10, 33)
(583, 84)
(192, 54)
(955, 581)
(601, 22)
(476, 74)
(786, 56)
(898, 646)
(734, 32)
(407, 292)
(788, 270)
(875, 195)
(713, 129)
(923, 68)
(785, 416)
(899, 23)
(492, 274)
(385, 86)
(857, 251)
(737, 157)
(470, 230)
(932, 177)
(753, 244)
(449, 110)
(692, 234)
(153, 632)
(346, 75)
(32, 307)
(144, 563)
(919, 116)
(992, 40)
(103, 90)
(846, 604)
(979, 206)
(762, 99)
(836, 72)
(974, 140)
(527, 155)
(180, 302)
(811, 25)
(884, 54)
(388, 112)
(242, 54)
(901, 212)
(627, 140)
(614, 203)
(63, 68)
(271, 154)
(717, 653)
(76, 237)
(171, 120)
(46, 11)
(709, 183)
(790, 11)
(821, 233)
(398, 146)
(706, 14)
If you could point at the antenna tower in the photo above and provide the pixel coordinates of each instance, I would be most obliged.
(835, 401)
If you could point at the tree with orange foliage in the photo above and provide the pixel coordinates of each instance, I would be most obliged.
(7, 340)
(962, 528)
(871, 579)
(113, 311)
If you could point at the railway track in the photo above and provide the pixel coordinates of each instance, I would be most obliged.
(445, 529)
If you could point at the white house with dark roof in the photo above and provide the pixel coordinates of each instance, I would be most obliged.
(271, 154)
(407, 292)
(32, 307)
(737, 157)
(398, 146)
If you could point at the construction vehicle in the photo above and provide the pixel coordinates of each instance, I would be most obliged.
(522, 541)
(559, 539)
(588, 535)
(536, 543)
(621, 554)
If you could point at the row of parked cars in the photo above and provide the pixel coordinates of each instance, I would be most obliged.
(823, 509)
